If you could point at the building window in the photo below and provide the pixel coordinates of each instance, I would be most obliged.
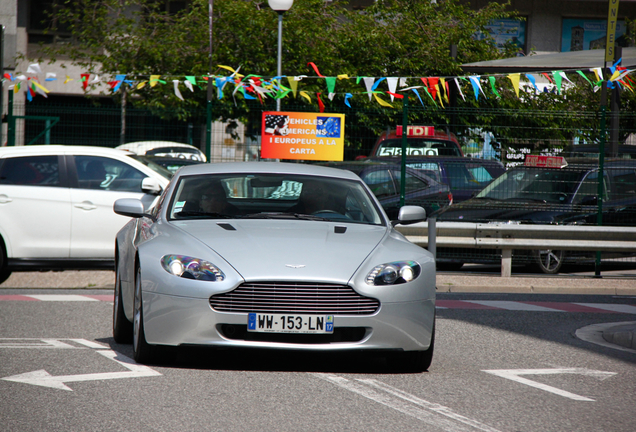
(587, 34)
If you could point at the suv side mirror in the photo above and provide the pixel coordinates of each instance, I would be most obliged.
(151, 185)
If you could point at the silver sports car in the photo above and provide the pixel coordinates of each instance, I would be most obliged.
(272, 255)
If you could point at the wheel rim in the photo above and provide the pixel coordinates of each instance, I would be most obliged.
(137, 312)
(550, 260)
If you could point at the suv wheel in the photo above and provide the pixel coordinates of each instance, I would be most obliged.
(548, 261)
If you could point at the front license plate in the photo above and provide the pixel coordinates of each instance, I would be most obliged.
(286, 323)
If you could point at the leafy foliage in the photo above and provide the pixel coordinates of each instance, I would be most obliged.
(391, 38)
(396, 38)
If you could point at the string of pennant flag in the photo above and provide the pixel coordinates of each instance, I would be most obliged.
(258, 87)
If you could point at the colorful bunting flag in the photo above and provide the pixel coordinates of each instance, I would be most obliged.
(514, 79)
(85, 77)
(257, 87)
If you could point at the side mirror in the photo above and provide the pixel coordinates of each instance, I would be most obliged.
(151, 185)
(410, 214)
(131, 207)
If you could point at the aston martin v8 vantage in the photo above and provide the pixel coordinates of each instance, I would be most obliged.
(272, 255)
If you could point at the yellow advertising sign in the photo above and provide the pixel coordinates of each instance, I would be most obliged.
(305, 136)
(612, 18)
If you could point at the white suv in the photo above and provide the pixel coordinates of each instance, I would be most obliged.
(56, 205)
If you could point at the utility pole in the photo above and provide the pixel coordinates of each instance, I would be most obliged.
(208, 117)
(1, 87)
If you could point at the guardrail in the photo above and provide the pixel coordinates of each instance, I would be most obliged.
(508, 237)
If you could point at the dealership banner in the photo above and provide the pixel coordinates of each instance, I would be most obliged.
(298, 135)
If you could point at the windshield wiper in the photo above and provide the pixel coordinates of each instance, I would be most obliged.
(202, 214)
(488, 198)
(537, 200)
(276, 215)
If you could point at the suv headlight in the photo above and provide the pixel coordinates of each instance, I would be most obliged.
(191, 268)
(394, 273)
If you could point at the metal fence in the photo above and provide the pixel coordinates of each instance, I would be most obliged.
(502, 134)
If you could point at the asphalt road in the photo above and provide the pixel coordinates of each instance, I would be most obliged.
(503, 362)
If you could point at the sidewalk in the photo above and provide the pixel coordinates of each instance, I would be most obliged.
(623, 335)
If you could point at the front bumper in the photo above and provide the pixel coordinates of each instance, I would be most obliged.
(174, 321)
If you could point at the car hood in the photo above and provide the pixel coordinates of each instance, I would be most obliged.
(288, 250)
(484, 211)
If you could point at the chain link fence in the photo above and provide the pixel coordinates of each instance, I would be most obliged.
(574, 194)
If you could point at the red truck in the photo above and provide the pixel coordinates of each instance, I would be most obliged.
(420, 141)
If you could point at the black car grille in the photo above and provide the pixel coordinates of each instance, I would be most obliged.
(291, 297)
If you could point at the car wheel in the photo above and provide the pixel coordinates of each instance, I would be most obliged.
(4, 273)
(122, 328)
(142, 351)
(548, 261)
(414, 361)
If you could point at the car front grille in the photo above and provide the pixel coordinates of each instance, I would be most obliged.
(292, 297)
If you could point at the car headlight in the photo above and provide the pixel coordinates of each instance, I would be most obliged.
(191, 268)
(394, 273)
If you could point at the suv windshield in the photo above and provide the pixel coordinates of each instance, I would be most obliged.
(273, 196)
(535, 184)
(418, 147)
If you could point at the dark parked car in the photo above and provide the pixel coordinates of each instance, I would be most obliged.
(384, 181)
(564, 193)
(465, 176)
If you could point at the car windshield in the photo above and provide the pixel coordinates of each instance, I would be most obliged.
(534, 184)
(175, 152)
(153, 166)
(467, 175)
(273, 196)
(430, 169)
(418, 147)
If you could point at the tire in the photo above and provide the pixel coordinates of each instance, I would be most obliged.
(122, 328)
(548, 261)
(142, 352)
(414, 361)
(4, 273)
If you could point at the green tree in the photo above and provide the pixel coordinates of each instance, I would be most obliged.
(396, 38)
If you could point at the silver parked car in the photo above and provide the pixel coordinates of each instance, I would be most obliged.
(272, 255)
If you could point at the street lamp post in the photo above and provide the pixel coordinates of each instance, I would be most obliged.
(280, 6)
(208, 109)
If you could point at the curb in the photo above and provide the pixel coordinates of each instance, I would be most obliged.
(623, 335)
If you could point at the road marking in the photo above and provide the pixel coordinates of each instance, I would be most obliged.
(38, 343)
(87, 343)
(433, 414)
(611, 307)
(461, 304)
(44, 379)
(61, 297)
(516, 306)
(514, 375)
